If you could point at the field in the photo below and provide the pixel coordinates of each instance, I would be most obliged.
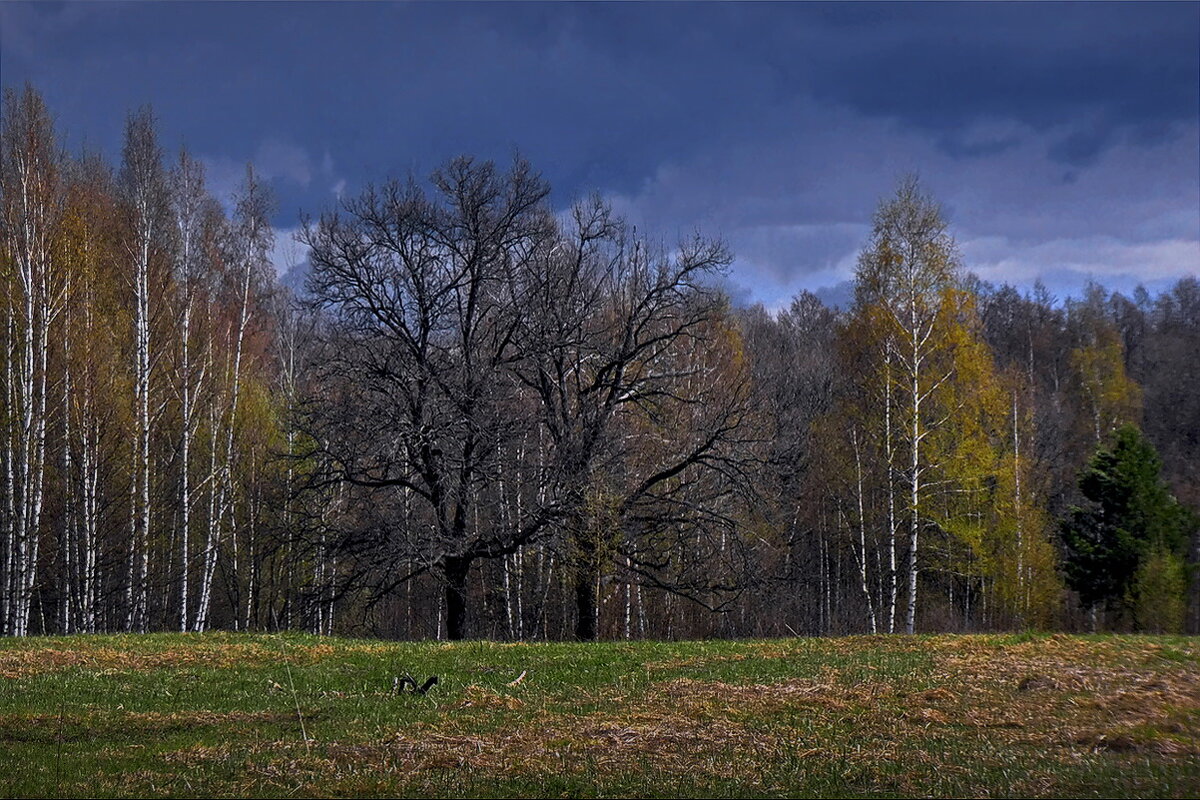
(258, 715)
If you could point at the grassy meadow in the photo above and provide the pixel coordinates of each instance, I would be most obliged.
(290, 715)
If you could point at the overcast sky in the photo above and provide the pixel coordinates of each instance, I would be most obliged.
(1062, 139)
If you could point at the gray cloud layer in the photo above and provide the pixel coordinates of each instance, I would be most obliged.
(1062, 138)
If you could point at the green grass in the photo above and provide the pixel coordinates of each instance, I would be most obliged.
(290, 715)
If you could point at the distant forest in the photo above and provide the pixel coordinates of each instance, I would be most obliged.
(482, 417)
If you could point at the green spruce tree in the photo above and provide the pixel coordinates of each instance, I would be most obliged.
(1125, 550)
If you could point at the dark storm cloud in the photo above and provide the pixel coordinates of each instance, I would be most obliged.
(943, 66)
(778, 125)
(637, 80)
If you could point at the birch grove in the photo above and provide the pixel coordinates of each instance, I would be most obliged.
(34, 299)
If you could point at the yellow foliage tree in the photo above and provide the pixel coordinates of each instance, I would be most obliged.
(950, 462)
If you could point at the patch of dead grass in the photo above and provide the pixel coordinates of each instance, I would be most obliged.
(716, 696)
(610, 743)
(74, 726)
(1114, 695)
(25, 662)
(476, 696)
(752, 650)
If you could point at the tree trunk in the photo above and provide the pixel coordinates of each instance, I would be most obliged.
(1020, 594)
(915, 475)
(586, 576)
(185, 447)
(862, 539)
(455, 570)
(7, 596)
(893, 573)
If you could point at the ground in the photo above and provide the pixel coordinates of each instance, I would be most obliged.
(274, 715)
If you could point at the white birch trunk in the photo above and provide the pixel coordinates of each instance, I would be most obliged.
(893, 573)
(212, 539)
(185, 468)
(8, 565)
(862, 538)
(914, 368)
(69, 580)
(1017, 505)
(139, 507)
(90, 511)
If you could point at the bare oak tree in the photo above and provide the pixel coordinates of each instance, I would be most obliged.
(419, 327)
(628, 355)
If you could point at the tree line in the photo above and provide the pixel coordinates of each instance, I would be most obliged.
(482, 417)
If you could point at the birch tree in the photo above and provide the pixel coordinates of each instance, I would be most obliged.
(1108, 398)
(146, 201)
(247, 279)
(191, 210)
(858, 449)
(92, 334)
(33, 295)
(907, 273)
